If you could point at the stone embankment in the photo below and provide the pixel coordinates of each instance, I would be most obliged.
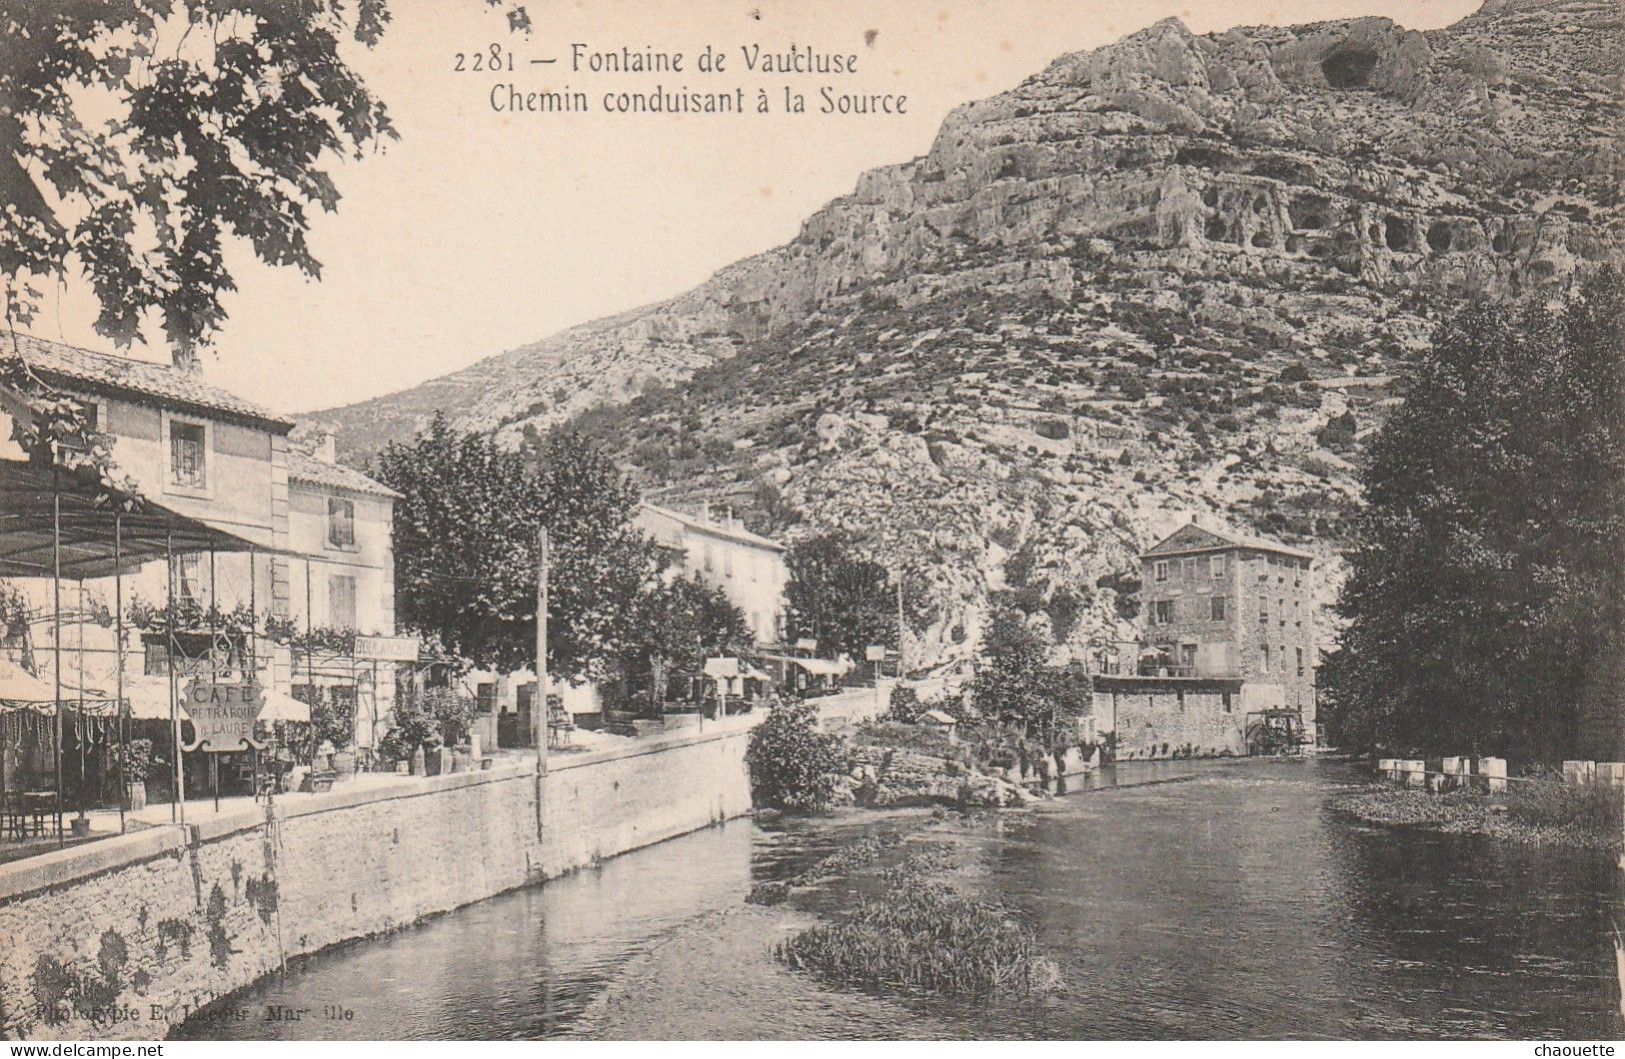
(125, 937)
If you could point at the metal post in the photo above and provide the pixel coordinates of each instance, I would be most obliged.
(901, 667)
(177, 804)
(538, 720)
(310, 660)
(214, 671)
(118, 677)
(82, 723)
(56, 636)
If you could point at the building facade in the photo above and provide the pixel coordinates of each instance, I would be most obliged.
(199, 450)
(747, 567)
(1228, 651)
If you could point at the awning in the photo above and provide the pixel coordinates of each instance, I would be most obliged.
(818, 667)
(752, 673)
(149, 698)
(19, 687)
(280, 706)
(89, 523)
(22, 690)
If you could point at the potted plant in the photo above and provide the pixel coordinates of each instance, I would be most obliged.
(135, 761)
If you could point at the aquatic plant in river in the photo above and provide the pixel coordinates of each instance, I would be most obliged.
(922, 936)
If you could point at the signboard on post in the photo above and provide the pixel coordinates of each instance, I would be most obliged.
(386, 649)
(722, 668)
(875, 653)
(223, 716)
(806, 644)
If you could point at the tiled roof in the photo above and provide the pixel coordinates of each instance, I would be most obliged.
(715, 529)
(312, 471)
(56, 362)
(1230, 538)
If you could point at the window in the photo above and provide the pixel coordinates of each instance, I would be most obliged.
(341, 601)
(1264, 657)
(189, 577)
(1190, 569)
(188, 450)
(1226, 702)
(340, 522)
(709, 561)
(1216, 567)
(1281, 611)
(1263, 609)
(1162, 570)
(1300, 661)
(485, 697)
(1216, 608)
(1162, 612)
(1187, 656)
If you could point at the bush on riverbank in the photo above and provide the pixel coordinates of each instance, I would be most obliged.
(793, 765)
(922, 936)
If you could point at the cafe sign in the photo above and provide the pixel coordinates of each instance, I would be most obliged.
(223, 715)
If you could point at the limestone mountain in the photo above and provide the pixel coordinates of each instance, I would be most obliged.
(1176, 274)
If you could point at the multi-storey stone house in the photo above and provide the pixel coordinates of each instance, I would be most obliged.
(325, 531)
(1227, 658)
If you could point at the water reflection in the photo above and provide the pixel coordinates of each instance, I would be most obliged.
(1196, 900)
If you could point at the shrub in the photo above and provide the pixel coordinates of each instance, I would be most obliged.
(794, 766)
(921, 936)
(905, 705)
(1550, 802)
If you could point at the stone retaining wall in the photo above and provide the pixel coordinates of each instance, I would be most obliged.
(124, 937)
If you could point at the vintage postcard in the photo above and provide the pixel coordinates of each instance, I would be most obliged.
(865, 519)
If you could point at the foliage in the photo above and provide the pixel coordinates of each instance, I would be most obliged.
(1018, 688)
(332, 717)
(1548, 801)
(466, 528)
(188, 616)
(1486, 599)
(921, 936)
(136, 760)
(224, 114)
(793, 765)
(678, 625)
(839, 598)
(428, 718)
(904, 704)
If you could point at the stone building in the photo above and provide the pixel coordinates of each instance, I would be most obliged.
(1226, 662)
(747, 567)
(326, 530)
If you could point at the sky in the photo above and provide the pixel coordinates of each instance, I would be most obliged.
(482, 230)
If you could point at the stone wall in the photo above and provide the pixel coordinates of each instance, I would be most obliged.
(1154, 719)
(124, 937)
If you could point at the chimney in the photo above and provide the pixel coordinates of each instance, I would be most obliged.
(325, 446)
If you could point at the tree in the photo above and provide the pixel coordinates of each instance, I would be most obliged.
(466, 530)
(1017, 687)
(792, 764)
(838, 598)
(679, 624)
(137, 135)
(1486, 595)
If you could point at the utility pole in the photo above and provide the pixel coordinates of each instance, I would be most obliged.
(902, 629)
(538, 715)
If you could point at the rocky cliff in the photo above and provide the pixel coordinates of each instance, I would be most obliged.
(1177, 274)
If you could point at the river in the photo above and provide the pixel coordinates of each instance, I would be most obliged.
(1185, 900)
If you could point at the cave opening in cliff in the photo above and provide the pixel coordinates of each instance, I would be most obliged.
(1346, 66)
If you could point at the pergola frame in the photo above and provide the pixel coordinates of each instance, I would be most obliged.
(56, 524)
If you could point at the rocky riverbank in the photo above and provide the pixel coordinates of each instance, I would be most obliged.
(1544, 818)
